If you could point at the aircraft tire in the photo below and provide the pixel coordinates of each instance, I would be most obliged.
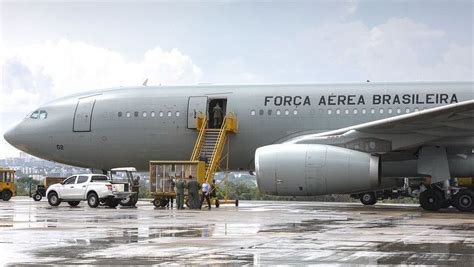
(53, 199)
(37, 197)
(368, 198)
(464, 200)
(431, 199)
(6, 195)
(73, 203)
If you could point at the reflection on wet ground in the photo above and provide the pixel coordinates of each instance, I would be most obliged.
(264, 233)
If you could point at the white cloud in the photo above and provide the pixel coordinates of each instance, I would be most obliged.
(37, 73)
(398, 50)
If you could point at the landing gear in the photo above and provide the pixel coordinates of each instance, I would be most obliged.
(432, 199)
(368, 198)
(464, 200)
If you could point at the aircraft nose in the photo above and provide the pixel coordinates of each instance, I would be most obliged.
(10, 136)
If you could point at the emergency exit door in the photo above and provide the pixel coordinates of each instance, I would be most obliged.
(83, 114)
(196, 105)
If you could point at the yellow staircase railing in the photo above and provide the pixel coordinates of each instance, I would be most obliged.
(229, 125)
(201, 126)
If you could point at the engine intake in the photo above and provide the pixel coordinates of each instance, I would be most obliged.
(308, 170)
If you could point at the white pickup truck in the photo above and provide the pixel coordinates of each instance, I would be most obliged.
(94, 188)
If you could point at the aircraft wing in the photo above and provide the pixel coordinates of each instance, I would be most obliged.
(400, 132)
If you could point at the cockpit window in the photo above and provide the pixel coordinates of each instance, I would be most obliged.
(43, 115)
(39, 114)
(34, 115)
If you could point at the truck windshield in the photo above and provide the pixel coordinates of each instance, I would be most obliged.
(99, 178)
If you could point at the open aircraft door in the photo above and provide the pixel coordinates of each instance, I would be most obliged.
(196, 105)
(83, 114)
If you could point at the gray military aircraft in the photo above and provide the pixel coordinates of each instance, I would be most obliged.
(310, 139)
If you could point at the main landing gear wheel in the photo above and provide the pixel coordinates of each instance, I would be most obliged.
(432, 199)
(464, 201)
(368, 198)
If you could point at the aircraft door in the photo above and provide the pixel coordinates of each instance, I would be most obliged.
(83, 114)
(196, 105)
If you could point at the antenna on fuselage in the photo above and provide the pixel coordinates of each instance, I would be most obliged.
(145, 82)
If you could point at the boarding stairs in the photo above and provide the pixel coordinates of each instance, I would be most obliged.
(211, 142)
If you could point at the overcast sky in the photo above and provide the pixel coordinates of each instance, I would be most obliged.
(51, 49)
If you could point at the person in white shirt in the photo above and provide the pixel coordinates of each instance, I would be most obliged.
(206, 194)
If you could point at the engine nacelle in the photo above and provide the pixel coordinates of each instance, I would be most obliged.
(309, 170)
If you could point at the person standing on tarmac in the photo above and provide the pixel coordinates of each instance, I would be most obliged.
(214, 192)
(217, 113)
(193, 191)
(206, 194)
(180, 194)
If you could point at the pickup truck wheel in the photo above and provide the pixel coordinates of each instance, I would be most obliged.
(93, 200)
(37, 197)
(53, 199)
(6, 195)
(73, 203)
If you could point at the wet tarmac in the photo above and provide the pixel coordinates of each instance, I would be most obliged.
(266, 233)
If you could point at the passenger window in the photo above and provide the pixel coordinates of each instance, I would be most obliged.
(287, 112)
(70, 180)
(43, 115)
(96, 178)
(346, 111)
(372, 111)
(399, 110)
(269, 112)
(364, 111)
(120, 114)
(338, 111)
(152, 114)
(390, 111)
(416, 109)
(161, 113)
(128, 114)
(381, 111)
(295, 112)
(34, 115)
(136, 114)
(252, 112)
(144, 114)
(177, 113)
(81, 179)
(261, 112)
(278, 112)
(355, 111)
(407, 110)
(329, 111)
(169, 113)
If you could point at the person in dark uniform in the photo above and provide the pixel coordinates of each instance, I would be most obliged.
(217, 115)
(180, 193)
(214, 192)
(193, 192)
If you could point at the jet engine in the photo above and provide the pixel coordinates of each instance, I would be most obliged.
(308, 170)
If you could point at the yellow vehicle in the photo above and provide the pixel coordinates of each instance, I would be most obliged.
(7, 183)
